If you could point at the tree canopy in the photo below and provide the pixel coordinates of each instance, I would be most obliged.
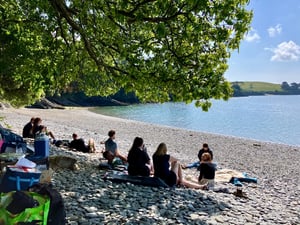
(155, 48)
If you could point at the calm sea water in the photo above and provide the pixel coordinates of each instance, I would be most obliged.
(266, 118)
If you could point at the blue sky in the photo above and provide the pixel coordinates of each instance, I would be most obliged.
(271, 50)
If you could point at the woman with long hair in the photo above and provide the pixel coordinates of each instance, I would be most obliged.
(161, 162)
(138, 159)
(38, 128)
(169, 169)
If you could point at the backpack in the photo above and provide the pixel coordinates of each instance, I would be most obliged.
(10, 139)
(23, 208)
(57, 214)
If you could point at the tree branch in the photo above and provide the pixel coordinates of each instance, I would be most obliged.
(133, 18)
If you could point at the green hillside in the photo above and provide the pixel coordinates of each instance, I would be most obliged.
(247, 88)
(259, 86)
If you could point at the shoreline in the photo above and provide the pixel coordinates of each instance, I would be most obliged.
(250, 127)
(93, 125)
(90, 109)
(274, 200)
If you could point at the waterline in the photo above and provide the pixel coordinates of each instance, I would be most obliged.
(265, 118)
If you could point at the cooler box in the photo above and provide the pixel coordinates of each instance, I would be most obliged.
(42, 163)
(41, 146)
(19, 179)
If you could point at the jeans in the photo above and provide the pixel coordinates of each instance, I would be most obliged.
(197, 164)
(193, 165)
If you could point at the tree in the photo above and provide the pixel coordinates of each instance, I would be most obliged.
(294, 86)
(285, 86)
(155, 48)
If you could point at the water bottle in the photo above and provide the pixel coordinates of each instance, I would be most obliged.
(42, 145)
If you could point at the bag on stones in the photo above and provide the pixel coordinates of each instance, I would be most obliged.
(57, 214)
(11, 141)
(18, 207)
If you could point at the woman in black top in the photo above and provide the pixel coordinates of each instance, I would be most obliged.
(38, 128)
(161, 162)
(207, 170)
(138, 159)
(168, 169)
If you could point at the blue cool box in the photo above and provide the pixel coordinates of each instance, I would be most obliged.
(19, 179)
(41, 148)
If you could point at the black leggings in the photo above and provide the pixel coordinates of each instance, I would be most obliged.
(139, 171)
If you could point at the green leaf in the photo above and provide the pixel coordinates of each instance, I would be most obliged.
(157, 48)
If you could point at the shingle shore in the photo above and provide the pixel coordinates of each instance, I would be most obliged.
(90, 200)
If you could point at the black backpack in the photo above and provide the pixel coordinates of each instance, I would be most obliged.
(11, 139)
(57, 214)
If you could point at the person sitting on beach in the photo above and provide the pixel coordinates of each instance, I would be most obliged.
(207, 171)
(161, 162)
(138, 159)
(204, 149)
(111, 148)
(27, 129)
(38, 128)
(171, 175)
(79, 145)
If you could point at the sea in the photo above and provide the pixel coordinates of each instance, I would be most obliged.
(271, 118)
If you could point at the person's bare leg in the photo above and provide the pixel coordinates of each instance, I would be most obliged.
(193, 185)
(51, 135)
(123, 158)
(91, 145)
(180, 175)
(176, 168)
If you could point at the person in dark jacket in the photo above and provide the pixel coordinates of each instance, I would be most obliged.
(79, 145)
(138, 159)
(27, 130)
(207, 171)
(203, 150)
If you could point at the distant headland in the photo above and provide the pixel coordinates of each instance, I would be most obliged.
(248, 88)
(240, 88)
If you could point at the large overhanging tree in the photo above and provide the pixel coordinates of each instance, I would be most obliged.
(155, 48)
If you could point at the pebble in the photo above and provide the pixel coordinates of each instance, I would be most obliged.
(94, 201)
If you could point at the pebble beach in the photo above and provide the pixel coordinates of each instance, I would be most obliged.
(89, 200)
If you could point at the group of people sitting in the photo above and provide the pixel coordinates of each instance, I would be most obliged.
(138, 162)
(163, 165)
(34, 127)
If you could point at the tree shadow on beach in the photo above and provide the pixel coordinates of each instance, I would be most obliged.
(88, 198)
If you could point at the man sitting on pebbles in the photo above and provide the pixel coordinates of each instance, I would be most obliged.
(79, 145)
(111, 149)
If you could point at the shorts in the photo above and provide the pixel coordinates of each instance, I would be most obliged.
(171, 180)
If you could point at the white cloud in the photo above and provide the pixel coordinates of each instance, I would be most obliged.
(252, 36)
(273, 31)
(285, 51)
